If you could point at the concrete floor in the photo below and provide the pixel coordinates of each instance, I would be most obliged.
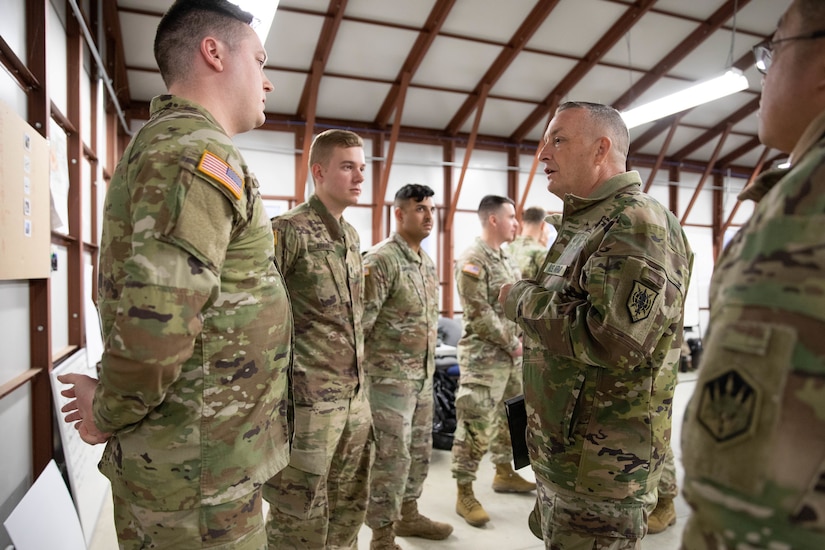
(507, 529)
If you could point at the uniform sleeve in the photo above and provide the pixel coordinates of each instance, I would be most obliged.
(379, 280)
(286, 245)
(177, 250)
(479, 312)
(627, 304)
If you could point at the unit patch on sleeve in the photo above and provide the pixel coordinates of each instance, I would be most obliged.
(217, 168)
(640, 302)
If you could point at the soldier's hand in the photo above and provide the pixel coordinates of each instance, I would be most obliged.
(79, 410)
(518, 352)
(503, 292)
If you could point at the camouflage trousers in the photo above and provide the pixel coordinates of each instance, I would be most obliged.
(667, 483)
(572, 521)
(320, 499)
(235, 525)
(402, 416)
(481, 424)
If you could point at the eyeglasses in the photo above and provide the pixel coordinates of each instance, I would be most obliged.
(763, 52)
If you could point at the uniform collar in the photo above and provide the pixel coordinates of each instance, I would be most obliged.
(411, 254)
(168, 101)
(608, 188)
(333, 226)
(495, 254)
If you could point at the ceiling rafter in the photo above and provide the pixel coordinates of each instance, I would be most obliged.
(746, 110)
(517, 43)
(660, 159)
(743, 149)
(757, 169)
(329, 30)
(708, 169)
(682, 50)
(425, 39)
(622, 25)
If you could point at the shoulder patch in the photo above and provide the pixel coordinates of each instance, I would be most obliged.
(217, 168)
(728, 405)
(640, 302)
(471, 269)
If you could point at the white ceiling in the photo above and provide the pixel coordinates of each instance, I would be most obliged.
(376, 37)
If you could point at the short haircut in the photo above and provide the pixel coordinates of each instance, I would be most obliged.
(185, 24)
(812, 14)
(414, 191)
(534, 215)
(325, 143)
(490, 205)
(608, 119)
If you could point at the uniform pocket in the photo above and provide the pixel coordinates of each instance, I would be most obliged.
(735, 406)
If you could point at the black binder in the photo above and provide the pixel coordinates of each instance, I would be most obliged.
(517, 422)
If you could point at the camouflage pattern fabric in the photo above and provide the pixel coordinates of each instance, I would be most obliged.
(668, 487)
(400, 324)
(320, 499)
(196, 323)
(569, 520)
(234, 525)
(753, 440)
(489, 374)
(528, 255)
(320, 258)
(402, 415)
(400, 311)
(605, 332)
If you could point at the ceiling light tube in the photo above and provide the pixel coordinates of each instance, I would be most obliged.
(704, 92)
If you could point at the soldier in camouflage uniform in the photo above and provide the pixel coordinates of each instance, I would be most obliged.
(489, 357)
(320, 499)
(753, 441)
(603, 330)
(400, 323)
(195, 317)
(529, 249)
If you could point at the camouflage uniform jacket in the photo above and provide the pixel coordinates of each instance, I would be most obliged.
(528, 254)
(320, 259)
(195, 318)
(400, 311)
(754, 433)
(604, 323)
(480, 272)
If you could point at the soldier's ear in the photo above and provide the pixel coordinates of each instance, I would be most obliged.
(211, 52)
(602, 149)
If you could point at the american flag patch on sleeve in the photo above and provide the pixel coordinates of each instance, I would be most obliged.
(216, 167)
(472, 269)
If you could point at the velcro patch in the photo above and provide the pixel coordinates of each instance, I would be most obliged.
(640, 302)
(471, 269)
(555, 269)
(217, 168)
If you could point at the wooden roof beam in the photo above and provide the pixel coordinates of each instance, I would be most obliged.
(425, 39)
(517, 43)
(329, 30)
(660, 159)
(302, 170)
(622, 25)
(707, 172)
(743, 149)
(682, 50)
(746, 110)
(469, 151)
(756, 171)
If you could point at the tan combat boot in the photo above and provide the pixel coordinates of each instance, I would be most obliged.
(413, 524)
(508, 481)
(663, 516)
(383, 538)
(468, 507)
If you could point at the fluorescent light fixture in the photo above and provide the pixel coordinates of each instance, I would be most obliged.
(264, 12)
(704, 92)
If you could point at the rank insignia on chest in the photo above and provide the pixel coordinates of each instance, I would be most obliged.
(640, 302)
(471, 269)
(217, 168)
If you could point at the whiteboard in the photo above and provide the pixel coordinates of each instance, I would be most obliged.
(89, 486)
